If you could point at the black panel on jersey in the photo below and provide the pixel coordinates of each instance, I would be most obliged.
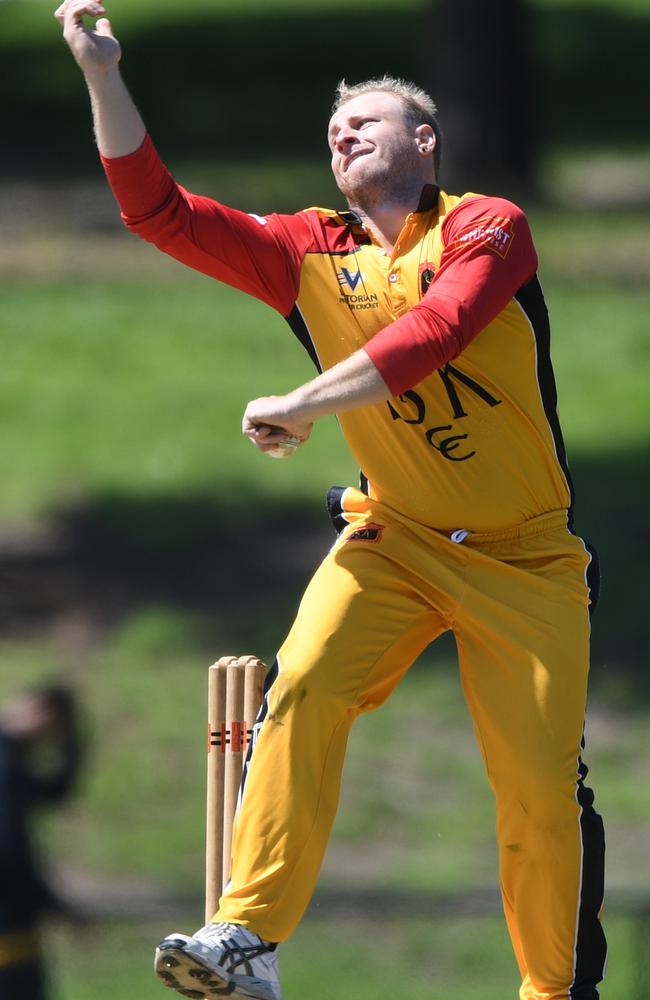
(300, 329)
(531, 300)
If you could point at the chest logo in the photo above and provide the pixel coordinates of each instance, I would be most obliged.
(354, 293)
(349, 278)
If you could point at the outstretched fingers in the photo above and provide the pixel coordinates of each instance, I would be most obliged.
(94, 47)
(75, 10)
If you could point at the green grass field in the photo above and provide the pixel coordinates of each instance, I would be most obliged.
(163, 373)
(372, 959)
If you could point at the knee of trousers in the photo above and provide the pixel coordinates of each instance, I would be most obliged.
(543, 807)
(310, 688)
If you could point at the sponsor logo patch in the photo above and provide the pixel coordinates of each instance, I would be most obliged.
(357, 297)
(495, 233)
(349, 278)
(360, 301)
(369, 533)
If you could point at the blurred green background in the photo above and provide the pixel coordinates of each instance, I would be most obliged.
(141, 538)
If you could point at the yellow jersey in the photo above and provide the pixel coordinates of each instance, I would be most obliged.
(454, 320)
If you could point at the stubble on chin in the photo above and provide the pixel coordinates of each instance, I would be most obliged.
(365, 188)
(369, 184)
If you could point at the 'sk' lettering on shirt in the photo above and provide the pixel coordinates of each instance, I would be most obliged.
(454, 320)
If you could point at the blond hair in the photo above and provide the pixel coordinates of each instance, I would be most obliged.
(419, 107)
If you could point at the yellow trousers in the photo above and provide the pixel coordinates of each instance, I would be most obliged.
(518, 604)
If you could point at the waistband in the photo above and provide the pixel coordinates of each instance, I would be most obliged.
(342, 501)
(535, 526)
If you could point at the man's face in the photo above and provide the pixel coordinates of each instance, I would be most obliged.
(372, 145)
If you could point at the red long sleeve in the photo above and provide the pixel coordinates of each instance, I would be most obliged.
(488, 256)
(258, 255)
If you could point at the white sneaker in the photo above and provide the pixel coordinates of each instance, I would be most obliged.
(219, 960)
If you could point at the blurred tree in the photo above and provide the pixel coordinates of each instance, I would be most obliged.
(477, 63)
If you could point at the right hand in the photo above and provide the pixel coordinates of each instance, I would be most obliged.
(94, 50)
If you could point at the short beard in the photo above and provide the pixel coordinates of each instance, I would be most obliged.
(395, 183)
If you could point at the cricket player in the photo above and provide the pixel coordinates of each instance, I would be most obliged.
(424, 315)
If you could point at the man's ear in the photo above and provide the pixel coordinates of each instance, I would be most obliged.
(426, 140)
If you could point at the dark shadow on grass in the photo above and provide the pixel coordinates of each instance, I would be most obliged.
(240, 571)
(611, 512)
(237, 572)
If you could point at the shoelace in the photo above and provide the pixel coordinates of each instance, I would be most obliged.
(220, 933)
(215, 933)
(236, 955)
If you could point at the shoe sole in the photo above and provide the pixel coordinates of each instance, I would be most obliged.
(181, 971)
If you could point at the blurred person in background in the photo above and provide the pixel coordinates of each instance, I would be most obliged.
(40, 755)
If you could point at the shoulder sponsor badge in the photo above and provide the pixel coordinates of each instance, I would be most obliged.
(496, 233)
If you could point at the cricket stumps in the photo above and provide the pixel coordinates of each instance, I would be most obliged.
(235, 695)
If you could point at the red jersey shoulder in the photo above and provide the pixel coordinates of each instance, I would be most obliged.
(481, 221)
(289, 230)
(333, 232)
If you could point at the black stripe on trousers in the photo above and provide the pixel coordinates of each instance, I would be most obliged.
(591, 946)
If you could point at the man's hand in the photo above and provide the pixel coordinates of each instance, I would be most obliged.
(269, 424)
(96, 51)
(271, 420)
(119, 129)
